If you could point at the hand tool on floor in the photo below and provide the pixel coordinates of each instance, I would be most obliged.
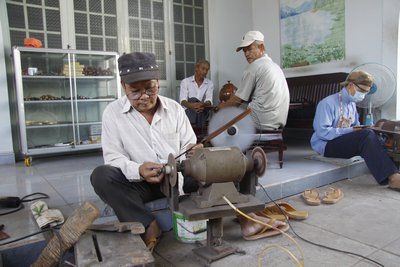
(120, 227)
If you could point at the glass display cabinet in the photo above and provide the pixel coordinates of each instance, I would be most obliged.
(61, 95)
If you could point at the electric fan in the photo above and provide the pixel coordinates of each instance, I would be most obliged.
(382, 89)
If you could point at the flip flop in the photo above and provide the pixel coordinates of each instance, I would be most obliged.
(332, 196)
(272, 212)
(152, 243)
(311, 197)
(291, 212)
(267, 231)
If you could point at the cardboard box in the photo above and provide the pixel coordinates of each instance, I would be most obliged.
(95, 139)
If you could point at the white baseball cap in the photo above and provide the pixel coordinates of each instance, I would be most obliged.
(249, 38)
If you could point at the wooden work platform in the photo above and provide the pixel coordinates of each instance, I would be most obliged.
(112, 249)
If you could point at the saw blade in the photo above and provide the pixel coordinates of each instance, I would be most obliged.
(240, 134)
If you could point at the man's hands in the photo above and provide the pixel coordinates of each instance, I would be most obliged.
(197, 106)
(151, 172)
(233, 101)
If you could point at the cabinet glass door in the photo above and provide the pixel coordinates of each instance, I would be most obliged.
(95, 86)
(61, 96)
(45, 100)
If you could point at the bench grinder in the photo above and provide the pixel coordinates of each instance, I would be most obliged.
(219, 171)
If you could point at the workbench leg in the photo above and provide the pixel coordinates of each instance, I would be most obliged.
(215, 248)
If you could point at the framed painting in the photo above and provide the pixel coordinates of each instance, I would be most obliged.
(312, 32)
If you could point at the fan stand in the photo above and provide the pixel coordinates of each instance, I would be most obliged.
(369, 118)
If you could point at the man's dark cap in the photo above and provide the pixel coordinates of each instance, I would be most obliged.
(138, 66)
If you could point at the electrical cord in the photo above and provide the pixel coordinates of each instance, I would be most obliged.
(55, 232)
(30, 235)
(17, 203)
(316, 244)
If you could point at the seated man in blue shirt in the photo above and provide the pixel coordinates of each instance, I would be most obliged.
(337, 131)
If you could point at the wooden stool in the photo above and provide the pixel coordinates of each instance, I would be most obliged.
(271, 141)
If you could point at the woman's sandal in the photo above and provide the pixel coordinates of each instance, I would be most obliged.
(311, 197)
(272, 212)
(333, 195)
(291, 212)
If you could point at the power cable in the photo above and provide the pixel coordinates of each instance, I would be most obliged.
(17, 203)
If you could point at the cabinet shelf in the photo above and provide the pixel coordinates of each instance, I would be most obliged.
(57, 106)
(38, 124)
(68, 101)
(40, 77)
(51, 149)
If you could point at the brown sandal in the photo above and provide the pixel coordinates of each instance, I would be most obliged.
(152, 243)
(332, 196)
(311, 197)
(271, 212)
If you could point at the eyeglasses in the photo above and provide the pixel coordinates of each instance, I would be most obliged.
(362, 90)
(137, 94)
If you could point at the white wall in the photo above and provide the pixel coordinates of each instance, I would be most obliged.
(371, 36)
(229, 20)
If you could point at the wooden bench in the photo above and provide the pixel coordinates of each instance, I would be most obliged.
(306, 92)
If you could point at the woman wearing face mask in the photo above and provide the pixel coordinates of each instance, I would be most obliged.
(338, 134)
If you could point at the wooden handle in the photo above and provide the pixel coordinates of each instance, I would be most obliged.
(69, 234)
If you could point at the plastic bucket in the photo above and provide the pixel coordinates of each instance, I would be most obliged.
(188, 231)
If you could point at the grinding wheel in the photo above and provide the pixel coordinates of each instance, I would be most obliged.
(260, 161)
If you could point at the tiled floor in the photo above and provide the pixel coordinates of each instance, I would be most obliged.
(366, 221)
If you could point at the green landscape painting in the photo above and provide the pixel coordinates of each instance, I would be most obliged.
(312, 32)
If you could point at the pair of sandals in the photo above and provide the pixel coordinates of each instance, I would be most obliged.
(283, 211)
(332, 196)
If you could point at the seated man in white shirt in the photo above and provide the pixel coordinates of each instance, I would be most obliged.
(139, 131)
(196, 94)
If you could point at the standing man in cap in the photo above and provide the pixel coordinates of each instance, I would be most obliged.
(263, 85)
(139, 131)
(337, 130)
